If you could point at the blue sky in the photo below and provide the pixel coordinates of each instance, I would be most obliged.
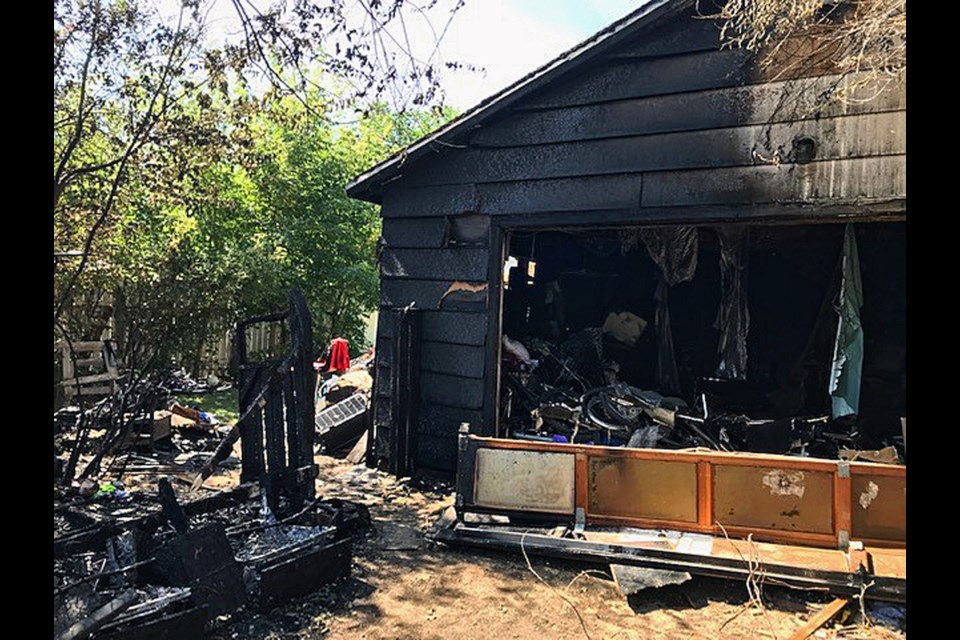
(510, 38)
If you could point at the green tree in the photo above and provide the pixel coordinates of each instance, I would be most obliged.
(160, 198)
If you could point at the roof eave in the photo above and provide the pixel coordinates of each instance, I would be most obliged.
(368, 185)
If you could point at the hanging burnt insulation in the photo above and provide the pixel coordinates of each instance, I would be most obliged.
(674, 250)
(668, 378)
(845, 372)
(733, 317)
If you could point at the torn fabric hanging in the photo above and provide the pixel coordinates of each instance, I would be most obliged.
(847, 363)
(733, 317)
(674, 250)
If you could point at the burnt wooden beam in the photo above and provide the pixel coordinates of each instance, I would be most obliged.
(788, 213)
(499, 245)
(273, 424)
(89, 625)
(174, 513)
(405, 384)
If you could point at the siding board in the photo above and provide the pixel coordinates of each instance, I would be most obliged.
(565, 194)
(450, 327)
(414, 233)
(435, 264)
(816, 182)
(769, 103)
(454, 359)
(431, 294)
(445, 421)
(838, 137)
(451, 391)
(634, 79)
(429, 202)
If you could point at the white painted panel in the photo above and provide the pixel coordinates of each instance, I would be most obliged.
(525, 480)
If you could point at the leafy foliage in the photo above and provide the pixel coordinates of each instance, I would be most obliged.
(194, 183)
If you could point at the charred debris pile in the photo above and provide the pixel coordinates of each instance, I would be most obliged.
(140, 427)
(154, 565)
(787, 340)
(143, 549)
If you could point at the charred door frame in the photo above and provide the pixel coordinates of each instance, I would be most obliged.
(278, 393)
(498, 243)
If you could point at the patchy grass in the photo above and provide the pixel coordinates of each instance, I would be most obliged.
(222, 404)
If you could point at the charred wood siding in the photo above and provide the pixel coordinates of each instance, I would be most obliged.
(663, 127)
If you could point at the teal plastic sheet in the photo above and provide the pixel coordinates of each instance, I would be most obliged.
(847, 366)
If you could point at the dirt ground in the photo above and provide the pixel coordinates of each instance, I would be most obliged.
(405, 587)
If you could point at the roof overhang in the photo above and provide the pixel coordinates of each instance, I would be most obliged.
(370, 185)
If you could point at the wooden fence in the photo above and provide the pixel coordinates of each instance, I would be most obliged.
(264, 340)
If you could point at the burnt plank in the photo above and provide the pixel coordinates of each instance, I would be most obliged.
(383, 374)
(171, 507)
(251, 445)
(293, 420)
(837, 137)
(429, 201)
(381, 411)
(434, 294)
(274, 425)
(451, 391)
(769, 103)
(565, 194)
(833, 180)
(414, 233)
(385, 352)
(634, 79)
(460, 360)
(467, 263)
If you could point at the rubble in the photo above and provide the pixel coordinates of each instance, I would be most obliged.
(574, 396)
(343, 405)
(143, 563)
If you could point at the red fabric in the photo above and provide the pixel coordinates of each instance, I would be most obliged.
(339, 355)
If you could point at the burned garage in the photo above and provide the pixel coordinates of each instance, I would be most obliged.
(658, 283)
